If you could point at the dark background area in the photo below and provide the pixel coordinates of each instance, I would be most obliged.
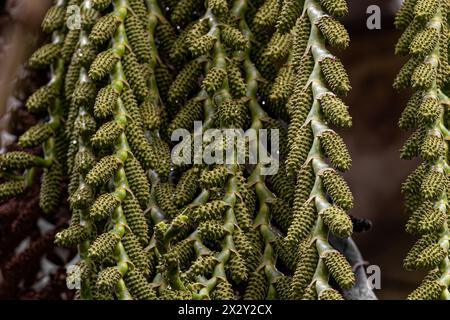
(374, 140)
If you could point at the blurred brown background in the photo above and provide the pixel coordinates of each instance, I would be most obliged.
(374, 140)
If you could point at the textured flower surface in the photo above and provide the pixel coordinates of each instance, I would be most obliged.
(426, 39)
(145, 227)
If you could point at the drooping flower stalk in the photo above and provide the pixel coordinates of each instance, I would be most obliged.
(19, 167)
(426, 39)
(321, 195)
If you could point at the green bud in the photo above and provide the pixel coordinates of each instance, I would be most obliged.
(138, 181)
(82, 198)
(107, 135)
(302, 223)
(405, 15)
(138, 286)
(335, 75)
(431, 257)
(107, 279)
(104, 29)
(45, 56)
(433, 147)
(433, 184)
(238, 269)
(410, 261)
(85, 125)
(185, 82)
(70, 43)
(223, 291)
(257, 287)
(334, 32)
(337, 221)
(203, 266)
(291, 10)
(54, 19)
(210, 210)
(100, 5)
(330, 294)
(104, 206)
(103, 171)
(267, 15)
(104, 245)
(339, 269)
(105, 103)
(428, 290)
(136, 253)
(304, 271)
(408, 119)
(84, 161)
(336, 8)
(17, 160)
(186, 188)
(426, 9)
(72, 236)
(299, 149)
(211, 231)
(138, 38)
(36, 135)
(335, 111)
(214, 178)
(214, 80)
(424, 76)
(42, 99)
(425, 42)
(403, 79)
(281, 213)
(136, 219)
(51, 191)
(202, 46)
(11, 189)
(134, 76)
(103, 64)
(337, 189)
(151, 115)
(430, 109)
(336, 150)
(233, 38)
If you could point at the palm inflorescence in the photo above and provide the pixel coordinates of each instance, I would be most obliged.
(426, 40)
(145, 227)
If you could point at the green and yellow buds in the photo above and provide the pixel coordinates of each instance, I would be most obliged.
(72, 236)
(103, 64)
(103, 206)
(335, 75)
(17, 160)
(339, 268)
(334, 32)
(103, 246)
(104, 29)
(335, 148)
(36, 135)
(103, 170)
(105, 102)
(54, 19)
(107, 135)
(338, 221)
(45, 56)
(11, 189)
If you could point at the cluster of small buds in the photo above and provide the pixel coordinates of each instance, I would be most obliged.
(149, 228)
(425, 40)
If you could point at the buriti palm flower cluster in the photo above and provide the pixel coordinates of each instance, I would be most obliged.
(148, 228)
(426, 40)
